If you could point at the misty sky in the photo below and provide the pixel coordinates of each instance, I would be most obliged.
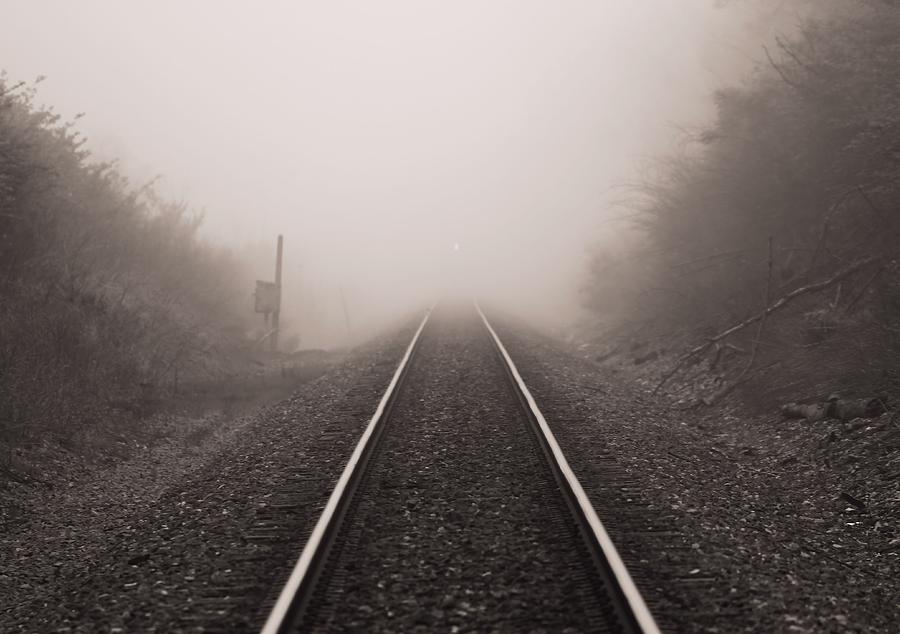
(375, 135)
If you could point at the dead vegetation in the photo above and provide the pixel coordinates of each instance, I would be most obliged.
(768, 252)
(109, 300)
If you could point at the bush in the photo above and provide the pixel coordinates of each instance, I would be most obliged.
(797, 178)
(106, 291)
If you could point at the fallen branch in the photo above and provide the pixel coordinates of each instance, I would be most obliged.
(728, 389)
(762, 324)
(778, 305)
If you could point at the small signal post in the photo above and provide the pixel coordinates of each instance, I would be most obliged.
(276, 314)
(268, 300)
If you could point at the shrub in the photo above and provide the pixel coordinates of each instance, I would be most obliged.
(106, 291)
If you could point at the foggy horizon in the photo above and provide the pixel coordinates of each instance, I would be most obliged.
(374, 139)
(408, 316)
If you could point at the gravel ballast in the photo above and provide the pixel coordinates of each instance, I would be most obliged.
(727, 522)
(750, 529)
(459, 525)
(205, 545)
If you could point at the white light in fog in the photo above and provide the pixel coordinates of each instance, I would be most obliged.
(456, 246)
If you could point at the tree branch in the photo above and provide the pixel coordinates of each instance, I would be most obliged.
(778, 305)
(788, 81)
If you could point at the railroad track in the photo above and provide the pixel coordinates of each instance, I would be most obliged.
(458, 511)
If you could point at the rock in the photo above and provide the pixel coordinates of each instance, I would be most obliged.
(859, 408)
(139, 559)
(859, 504)
(812, 412)
(835, 407)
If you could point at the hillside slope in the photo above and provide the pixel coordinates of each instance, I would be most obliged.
(108, 298)
(769, 246)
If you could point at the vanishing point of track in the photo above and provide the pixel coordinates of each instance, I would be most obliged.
(457, 510)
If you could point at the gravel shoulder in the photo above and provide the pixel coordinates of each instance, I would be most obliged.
(728, 522)
(185, 540)
(752, 527)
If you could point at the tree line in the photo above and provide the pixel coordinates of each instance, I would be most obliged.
(106, 289)
(778, 220)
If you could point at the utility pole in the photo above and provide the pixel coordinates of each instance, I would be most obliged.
(276, 314)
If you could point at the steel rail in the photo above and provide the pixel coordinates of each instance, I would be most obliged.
(291, 601)
(629, 604)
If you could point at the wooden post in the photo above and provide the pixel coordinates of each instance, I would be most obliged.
(277, 313)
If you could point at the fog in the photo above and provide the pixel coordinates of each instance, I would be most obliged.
(402, 148)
